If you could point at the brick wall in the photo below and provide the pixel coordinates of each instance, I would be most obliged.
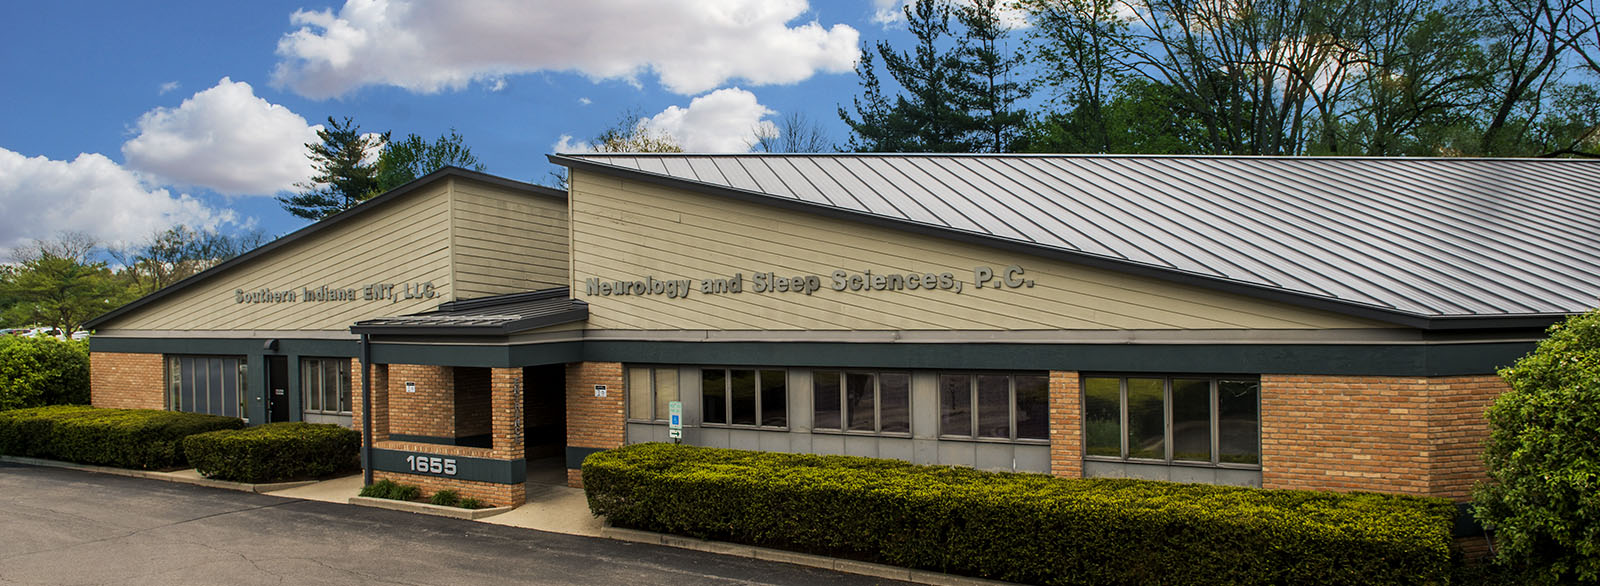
(1413, 435)
(506, 412)
(594, 422)
(1458, 431)
(1066, 425)
(127, 381)
(499, 495)
(473, 403)
(431, 410)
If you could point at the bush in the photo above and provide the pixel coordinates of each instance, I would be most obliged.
(275, 452)
(126, 438)
(471, 503)
(1543, 455)
(445, 498)
(39, 371)
(1023, 527)
(389, 489)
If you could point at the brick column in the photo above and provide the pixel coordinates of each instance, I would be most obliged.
(594, 422)
(1458, 430)
(506, 389)
(1345, 433)
(120, 380)
(1066, 424)
(380, 399)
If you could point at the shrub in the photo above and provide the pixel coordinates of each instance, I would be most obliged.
(1543, 455)
(1023, 527)
(471, 503)
(126, 438)
(389, 489)
(39, 371)
(275, 452)
(446, 498)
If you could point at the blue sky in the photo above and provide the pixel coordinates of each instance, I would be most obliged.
(123, 118)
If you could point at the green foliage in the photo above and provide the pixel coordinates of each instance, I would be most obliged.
(471, 503)
(275, 452)
(55, 284)
(125, 438)
(177, 253)
(384, 489)
(407, 159)
(343, 178)
(445, 498)
(1543, 455)
(1023, 527)
(41, 370)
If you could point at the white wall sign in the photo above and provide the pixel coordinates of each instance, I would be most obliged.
(599, 390)
(411, 387)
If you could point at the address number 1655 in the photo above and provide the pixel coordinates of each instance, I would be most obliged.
(432, 465)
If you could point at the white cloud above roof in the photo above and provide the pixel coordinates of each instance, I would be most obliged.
(226, 139)
(429, 46)
(723, 121)
(40, 197)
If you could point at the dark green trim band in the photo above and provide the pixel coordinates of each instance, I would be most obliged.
(1351, 359)
(485, 355)
(286, 346)
(575, 456)
(467, 468)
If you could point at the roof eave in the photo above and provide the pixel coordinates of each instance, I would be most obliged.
(499, 330)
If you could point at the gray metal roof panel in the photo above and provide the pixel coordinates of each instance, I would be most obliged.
(1424, 237)
(501, 314)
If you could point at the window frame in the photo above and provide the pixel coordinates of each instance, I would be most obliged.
(727, 398)
(172, 372)
(628, 390)
(345, 380)
(972, 398)
(1214, 414)
(877, 403)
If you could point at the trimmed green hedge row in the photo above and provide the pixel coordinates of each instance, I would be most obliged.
(126, 438)
(1023, 527)
(274, 452)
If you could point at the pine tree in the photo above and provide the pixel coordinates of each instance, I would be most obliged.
(985, 83)
(343, 178)
(930, 115)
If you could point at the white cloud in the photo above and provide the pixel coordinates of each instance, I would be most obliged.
(585, 101)
(40, 197)
(892, 12)
(167, 87)
(723, 121)
(226, 139)
(433, 45)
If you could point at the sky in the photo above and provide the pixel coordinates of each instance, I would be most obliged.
(120, 119)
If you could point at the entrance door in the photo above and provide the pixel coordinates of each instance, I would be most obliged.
(277, 388)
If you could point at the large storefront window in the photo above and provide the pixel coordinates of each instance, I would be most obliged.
(994, 406)
(737, 396)
(325, 385)
(871, 402)
(1179, 419)
(650, 390)
(206, 384)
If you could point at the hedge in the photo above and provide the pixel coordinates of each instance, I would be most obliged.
(274, 452)
(41, 370)
(1023, 527)
(126, 438)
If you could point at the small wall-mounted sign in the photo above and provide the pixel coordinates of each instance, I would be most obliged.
(599, 390)
(411, 387)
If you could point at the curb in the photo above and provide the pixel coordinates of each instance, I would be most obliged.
(427, 508)
(155, 475)
(796, 558)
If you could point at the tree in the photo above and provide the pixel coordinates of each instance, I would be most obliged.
(1543, 455)
(405, 160)
(930, 115)
(630, 134)
(1075, 44)
(794, 133)
(178, 253)
(343, 177)
(985, 82)
(55, 284)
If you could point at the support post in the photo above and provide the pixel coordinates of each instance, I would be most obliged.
(366, 410)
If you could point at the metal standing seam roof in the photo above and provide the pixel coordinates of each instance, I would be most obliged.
(497, 315)
(1426, 239)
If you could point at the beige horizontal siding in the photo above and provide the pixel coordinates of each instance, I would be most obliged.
(504, 241)
(627, 230)
(405, 241)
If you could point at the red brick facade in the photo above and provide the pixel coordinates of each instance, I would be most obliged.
(431, 409)
(493, 494)
(380, 399)
(1411, 435)
(127, 381)
(594, 422)
(1066, 424)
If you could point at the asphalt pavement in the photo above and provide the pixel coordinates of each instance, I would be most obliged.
(69, 527)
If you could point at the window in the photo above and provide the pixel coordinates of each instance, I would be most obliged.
(736, 396)
(994, 406)
(1183, 419)
(206, 384)
(325, 385)
(869, 402)
(649, 392)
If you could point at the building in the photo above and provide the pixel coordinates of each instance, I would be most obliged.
(1312, 323)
